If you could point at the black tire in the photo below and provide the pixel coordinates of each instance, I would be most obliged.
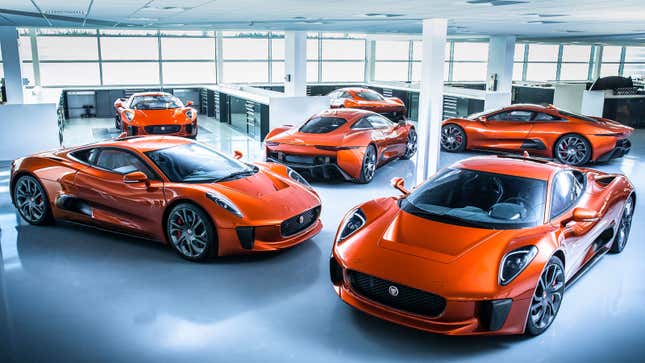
(368, 168)
(191, 232)
(547, 298)
(30, 198)
(572, 149)
(624, 227)
(453, 138)
(117, 122)
(411, 145)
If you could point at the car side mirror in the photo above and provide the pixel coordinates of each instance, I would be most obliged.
(585, 215)
(189, 103)
(482, 119)
(237, 154)
(399, 184)
(135, 177)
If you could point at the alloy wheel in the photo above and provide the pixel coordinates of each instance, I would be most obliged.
(411, 146)
(452, 138)
(30, 199)
(369, 164)
(548, 296)
(188, 232)
(572, 150)
(625, 224)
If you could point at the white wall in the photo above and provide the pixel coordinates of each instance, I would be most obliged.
(27, 129)
(294, 110)
(569, 96)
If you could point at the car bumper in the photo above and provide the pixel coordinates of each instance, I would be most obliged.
(458, 317)
(186, 130)
(621, 149)
(257, 239)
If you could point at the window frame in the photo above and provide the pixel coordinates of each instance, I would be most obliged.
(575, 201)
(99, 149)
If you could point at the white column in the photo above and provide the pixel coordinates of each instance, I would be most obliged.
(295, 63)
(219, 64)
(370, 55)
(12, 64)
(501, 51)
(431, 97)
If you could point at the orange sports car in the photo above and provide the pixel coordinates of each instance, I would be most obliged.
(368, 99)
(155, 113)
(350, 142)
(171, 189)
(544, 131)
(485, 246)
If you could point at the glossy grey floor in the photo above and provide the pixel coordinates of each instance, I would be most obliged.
(75, 294)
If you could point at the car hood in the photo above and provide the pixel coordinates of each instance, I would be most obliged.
(263, 191)
(295, 137)
(173, 116)
(455, 261)
(443, 242)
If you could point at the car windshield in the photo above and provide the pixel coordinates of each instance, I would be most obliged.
(479, 199)
(196, 163)
(476, 115)
(322, 125)
(370, 96)
(157, 102)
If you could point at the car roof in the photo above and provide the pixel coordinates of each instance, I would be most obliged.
(356, 89)
(144, 144)
(349, 114)
(151, 94)
(519, 166)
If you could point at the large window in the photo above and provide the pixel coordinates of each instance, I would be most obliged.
(575, 62)
(634, 65)
(335, 57)
(392, 60)
(256, 57)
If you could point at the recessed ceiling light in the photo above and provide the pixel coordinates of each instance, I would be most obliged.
(170, 9)
(381, 15)
(136, 18)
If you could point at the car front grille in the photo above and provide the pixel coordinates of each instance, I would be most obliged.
(300, 222)
(189, 129)
(397, 296)
(162, 129)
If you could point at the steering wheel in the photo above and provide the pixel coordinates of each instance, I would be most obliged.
(499, 192)
(519, 200)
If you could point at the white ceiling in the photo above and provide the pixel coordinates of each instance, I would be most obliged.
(594, 20)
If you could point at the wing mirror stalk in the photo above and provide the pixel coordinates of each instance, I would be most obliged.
(399, 184)
(136, 177)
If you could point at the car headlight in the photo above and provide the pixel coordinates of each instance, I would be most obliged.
(225, 203)
(515, 262)
(352, 223)
(129, 115)
(295, 176)
(189, 114)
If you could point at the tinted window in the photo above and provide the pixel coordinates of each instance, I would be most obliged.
(362, 124)
(345, 95)
(514, 115)
(577, 115)
(157, 102)
(479, 199)
(121, 162)
(380, 122)
(567, 187)
(370, 96)
(191, 163)
(322, 125)
(541, 116)
(86, 155)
